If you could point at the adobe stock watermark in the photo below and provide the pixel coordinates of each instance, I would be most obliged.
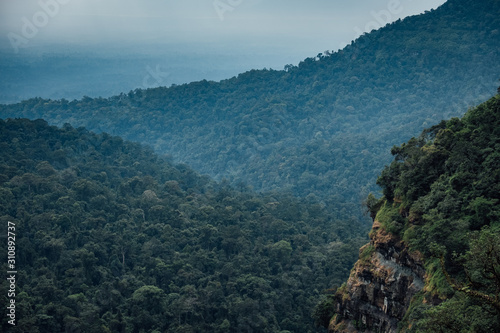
(31, 27)
(223, 6)
(11, 272)
(380, 18)
(154, 77)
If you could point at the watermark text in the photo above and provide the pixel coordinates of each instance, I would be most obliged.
(31, 27)
(11, 272)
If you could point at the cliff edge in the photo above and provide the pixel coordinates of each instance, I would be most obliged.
(380, 287)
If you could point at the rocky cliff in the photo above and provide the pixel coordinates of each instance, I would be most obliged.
(380, 287)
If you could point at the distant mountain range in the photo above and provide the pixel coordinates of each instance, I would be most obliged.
(321, 129)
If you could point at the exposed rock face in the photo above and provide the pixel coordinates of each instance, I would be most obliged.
(380, 287)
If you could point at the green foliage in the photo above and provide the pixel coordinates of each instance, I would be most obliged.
(373, 205)
(324, 311)
(112, 238)
(390, 218)
(483, 259)
(436, 284)
(458, 314)
(366, 252)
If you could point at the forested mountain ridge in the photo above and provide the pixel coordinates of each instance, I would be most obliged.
(320, 128)
(433, 263)
(112, 238)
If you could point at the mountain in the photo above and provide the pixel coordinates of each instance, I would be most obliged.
(322, 128)
(106, 236)
(433, 262)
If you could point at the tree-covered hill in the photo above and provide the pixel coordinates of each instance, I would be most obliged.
(441, 200)
(111, 238)
(320, 128)
(446, 184)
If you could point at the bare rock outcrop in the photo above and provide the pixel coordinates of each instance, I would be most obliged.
(380, 287)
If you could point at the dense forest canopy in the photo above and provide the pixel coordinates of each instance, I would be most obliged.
(112, 238)
(319, 129)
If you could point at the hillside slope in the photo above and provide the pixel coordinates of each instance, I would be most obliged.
(111, 238)
(433, 263)
(322, 127)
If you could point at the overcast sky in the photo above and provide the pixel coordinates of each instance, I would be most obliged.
(312, 25)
